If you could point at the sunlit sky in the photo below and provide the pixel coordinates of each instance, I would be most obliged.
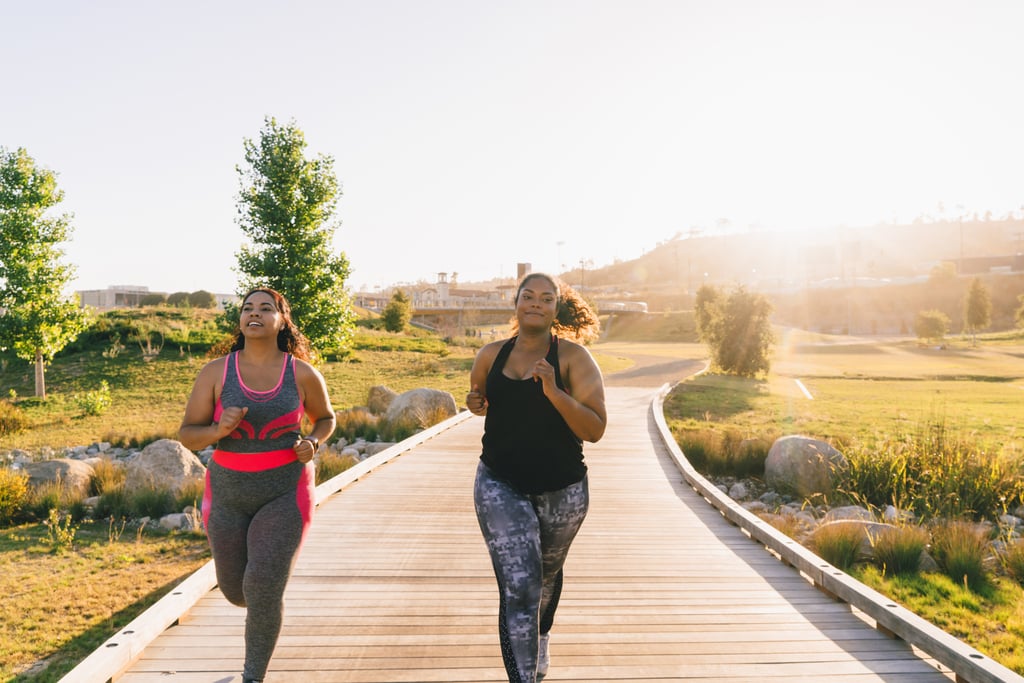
(473, 135)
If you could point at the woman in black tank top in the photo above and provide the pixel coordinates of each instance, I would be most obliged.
(542, 396)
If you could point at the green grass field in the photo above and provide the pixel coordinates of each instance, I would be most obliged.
(842, 390)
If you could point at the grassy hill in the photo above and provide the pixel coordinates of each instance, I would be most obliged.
(149, 358)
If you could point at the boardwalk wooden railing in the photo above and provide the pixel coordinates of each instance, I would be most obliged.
(394, 585)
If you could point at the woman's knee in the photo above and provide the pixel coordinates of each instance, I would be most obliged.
(234, 594)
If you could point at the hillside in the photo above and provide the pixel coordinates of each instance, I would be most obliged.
(870, 280)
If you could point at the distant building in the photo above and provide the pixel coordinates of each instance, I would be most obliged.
(115, 296)
(129, 296)
(445, 294)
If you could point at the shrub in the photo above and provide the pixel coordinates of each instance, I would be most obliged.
(190, 493)
(60, 531)
(838, 543)
(789, 524)
(107, 476)
(330, 465)
(931, 325)
(113, 504)
(724, 454)
(51, 495)
(960, 548)
(898, 549)
(1012, 559)
(355, 423)
(151, 502)
(736, 329)
(95, 402)
(13, 494)
(399, 430)
(933, 472)
(12, 420)
(136, 439)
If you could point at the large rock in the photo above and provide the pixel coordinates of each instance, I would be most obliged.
(165, 464)
(380, 399)
(422, 407)
(802, 466)
(73, 475)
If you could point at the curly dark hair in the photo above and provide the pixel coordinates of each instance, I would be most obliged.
(289, 338)
(574, 318)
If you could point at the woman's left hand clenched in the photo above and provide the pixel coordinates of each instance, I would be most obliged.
(304, 450)
(543, 372)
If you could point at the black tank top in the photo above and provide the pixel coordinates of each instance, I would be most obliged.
(526, 441)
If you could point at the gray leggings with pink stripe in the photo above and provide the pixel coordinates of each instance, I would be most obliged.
(255, 522)
(528, 537)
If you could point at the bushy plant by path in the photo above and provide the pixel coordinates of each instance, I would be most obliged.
(152, 501)
(330, 465)
(107, 476)
(1012, 559)
(839, 543)
(933, 473)
(723, 453)
(897, 550)
(190, 493)
(960, 549)
(50, 495)
(355, 423)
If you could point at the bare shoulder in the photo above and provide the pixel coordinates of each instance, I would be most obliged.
(490, 350)
(573, 351)
(304, 370)
(214, 367)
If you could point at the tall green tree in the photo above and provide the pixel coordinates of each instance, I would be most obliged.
(286, 208)
(931, 325)
(703, 308)
(736, 328)
(37, 319)
(977, 308)
(398, 312)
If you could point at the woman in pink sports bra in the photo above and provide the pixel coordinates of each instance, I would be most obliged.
(260, 485)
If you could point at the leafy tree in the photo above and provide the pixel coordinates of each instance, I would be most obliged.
(977, 308)
(177, 299)
(1019, 313)
(707, 298)
(736, 329)
(37, 319)
(398, 312)
(943, 273)
(931, 325)
(285, 208)
(202, 299)
(153, 299)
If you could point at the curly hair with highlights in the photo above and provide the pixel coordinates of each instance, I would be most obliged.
(574, 318)
(289, 338)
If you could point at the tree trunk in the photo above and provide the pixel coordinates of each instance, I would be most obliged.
(40, 377)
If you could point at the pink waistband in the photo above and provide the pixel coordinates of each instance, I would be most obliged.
(253, 462)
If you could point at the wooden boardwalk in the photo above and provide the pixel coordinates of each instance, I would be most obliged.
(394, 584)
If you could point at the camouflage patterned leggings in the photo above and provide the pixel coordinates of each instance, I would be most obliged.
(528, 537)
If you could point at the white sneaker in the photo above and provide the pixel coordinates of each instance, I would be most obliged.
(542, 656)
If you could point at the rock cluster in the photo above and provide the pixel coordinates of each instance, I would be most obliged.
(800, 519)
(166, 463)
